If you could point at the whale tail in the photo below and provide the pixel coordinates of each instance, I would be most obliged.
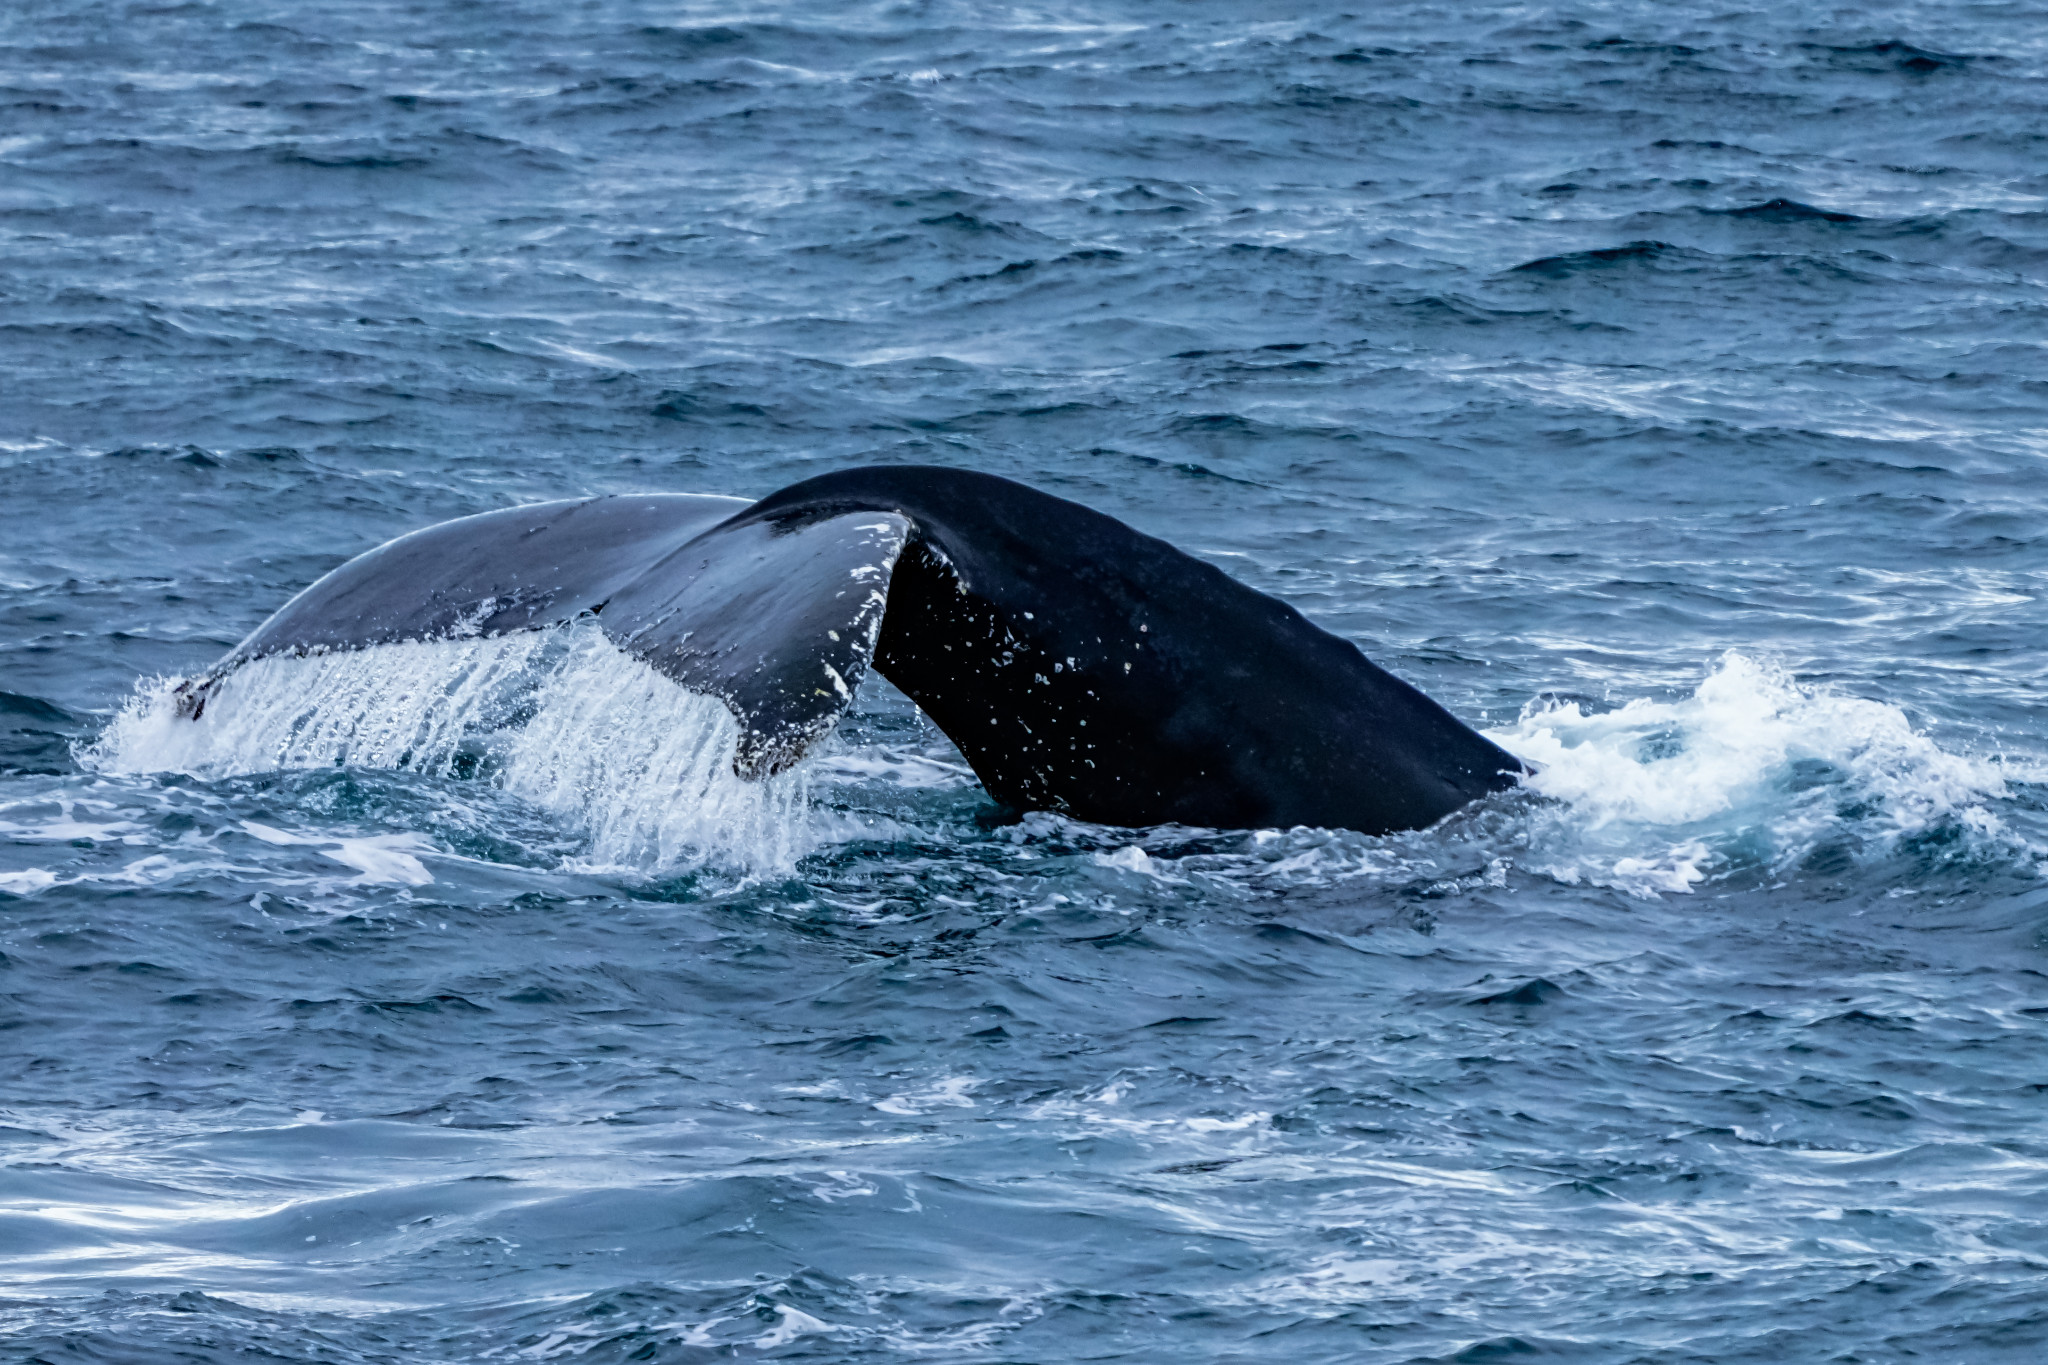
(1078, 664)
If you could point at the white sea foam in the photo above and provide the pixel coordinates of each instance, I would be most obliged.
(1651, 798)
(1752, 771)
(382, 858)
(1655, 794)
(562, 719)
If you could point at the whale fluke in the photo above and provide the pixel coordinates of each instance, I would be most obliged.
(1079, 665)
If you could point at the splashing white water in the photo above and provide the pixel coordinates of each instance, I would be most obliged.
(646, 770)
(562, 719)
(1652, 798)
(1751, 765)
(1751, 773)
(404, 706)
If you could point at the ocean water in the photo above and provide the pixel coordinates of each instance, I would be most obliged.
(1663, 387)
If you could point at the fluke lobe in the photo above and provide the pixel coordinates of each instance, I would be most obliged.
(1079, 665)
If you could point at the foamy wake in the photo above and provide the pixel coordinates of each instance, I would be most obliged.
(1751, 768)
(562, 719)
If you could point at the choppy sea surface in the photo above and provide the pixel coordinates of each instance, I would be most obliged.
(1663, 387)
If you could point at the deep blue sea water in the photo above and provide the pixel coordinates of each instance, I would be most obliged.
(1662, 387)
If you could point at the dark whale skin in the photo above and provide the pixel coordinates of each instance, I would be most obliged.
(1080, 665)
(1085, 667)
